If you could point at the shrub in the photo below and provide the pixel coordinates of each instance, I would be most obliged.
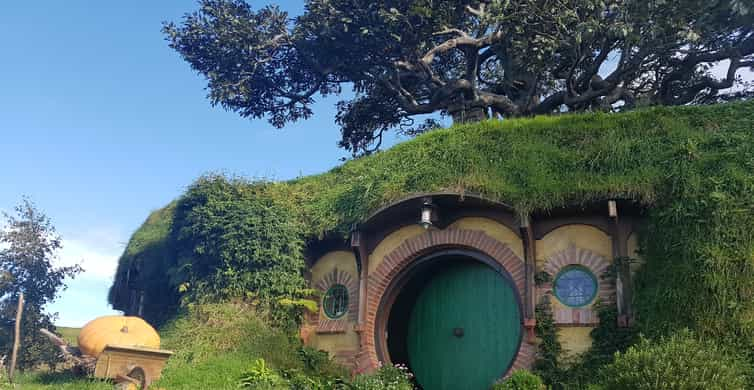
(235, 240)
(298, 380)
(681, 361)
(214, 345)
(313, 359)
(520, 380)
(262, 377)
(386, 378)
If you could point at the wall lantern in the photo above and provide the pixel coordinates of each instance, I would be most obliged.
(427, 213)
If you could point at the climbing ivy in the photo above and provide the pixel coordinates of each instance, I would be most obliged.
(549, 351)
(236, 239)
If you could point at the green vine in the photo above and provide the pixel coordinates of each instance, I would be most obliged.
(542, 277)
(548, 364)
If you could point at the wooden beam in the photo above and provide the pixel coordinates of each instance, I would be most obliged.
(359, 247)
(530, 264)
(623, 283)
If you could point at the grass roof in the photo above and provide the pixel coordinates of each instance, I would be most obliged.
(694, 167)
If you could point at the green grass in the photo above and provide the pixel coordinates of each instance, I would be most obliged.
(58, 381)
(214, 345)
(69, 334)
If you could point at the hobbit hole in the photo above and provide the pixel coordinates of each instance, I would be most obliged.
(461, 291)
(682, 165)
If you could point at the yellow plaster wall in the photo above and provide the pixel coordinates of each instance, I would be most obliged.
(334, 342)
(493, 229)
(582, 236)
(573, 339)
(344, 261)
(390, 242)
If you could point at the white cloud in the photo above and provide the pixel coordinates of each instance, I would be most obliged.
(96, 264)
(96, 251)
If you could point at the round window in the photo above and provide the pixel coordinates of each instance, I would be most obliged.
(575, 286)
(335, 302)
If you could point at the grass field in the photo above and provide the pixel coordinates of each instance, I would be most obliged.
(57, 381)
(69, 334)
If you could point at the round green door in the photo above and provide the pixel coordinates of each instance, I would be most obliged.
(464, 329)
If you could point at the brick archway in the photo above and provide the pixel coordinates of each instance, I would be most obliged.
(414, 248)
(597, 265)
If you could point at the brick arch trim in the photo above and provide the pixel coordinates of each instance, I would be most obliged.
(597, 264)
(413, 248)
(327, 325)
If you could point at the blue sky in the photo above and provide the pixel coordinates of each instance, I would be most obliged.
(101, 122)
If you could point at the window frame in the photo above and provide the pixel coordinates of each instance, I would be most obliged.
(334, 315)
(588, 272)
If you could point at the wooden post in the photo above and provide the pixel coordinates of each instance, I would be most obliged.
(623, 279)
(527, 236)
(17, 337)
(358, 244)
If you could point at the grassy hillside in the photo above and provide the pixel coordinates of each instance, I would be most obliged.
(693, 167)
(214, 345)
(69, 334)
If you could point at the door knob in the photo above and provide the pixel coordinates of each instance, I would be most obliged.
(458, 332)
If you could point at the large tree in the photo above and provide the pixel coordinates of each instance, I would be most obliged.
(28, 248)
(467, 59)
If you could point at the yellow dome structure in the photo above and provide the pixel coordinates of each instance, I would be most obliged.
(116, 330)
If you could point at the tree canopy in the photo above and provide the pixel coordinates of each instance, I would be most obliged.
(28, 247)
(468, 59)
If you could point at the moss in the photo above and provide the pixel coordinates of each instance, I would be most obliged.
(692, 166)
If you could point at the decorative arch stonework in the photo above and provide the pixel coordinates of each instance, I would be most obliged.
(414, 248)
(597, 264)
(327, 325)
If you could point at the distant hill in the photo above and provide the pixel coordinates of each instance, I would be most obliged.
(69, 334)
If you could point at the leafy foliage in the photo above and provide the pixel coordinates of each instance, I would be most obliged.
(262, 377)
(520, 380)
(467, 58)
(549, 351)
(216, 346)
(681, 361)
(387, 377)
(236, 240)
(223, 239)
(28, 247)
(691, 166)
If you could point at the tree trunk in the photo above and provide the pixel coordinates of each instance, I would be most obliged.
(16, 338)
(469, 114)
